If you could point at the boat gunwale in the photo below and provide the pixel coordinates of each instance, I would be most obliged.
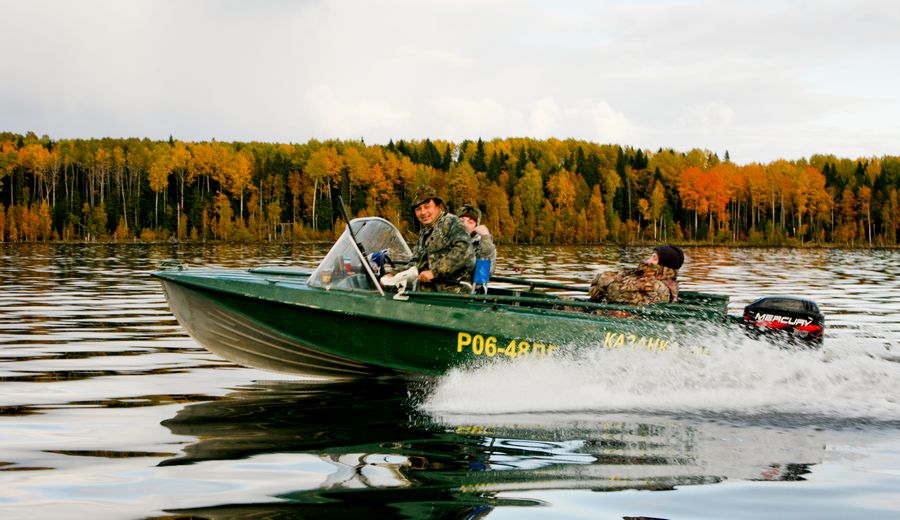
(536, 302)
(669, 310)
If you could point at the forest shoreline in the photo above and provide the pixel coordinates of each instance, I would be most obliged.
(138, 242)
(530, 191)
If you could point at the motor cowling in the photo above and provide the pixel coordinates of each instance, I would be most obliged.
(798, 320)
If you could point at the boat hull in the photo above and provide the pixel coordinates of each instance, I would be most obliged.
(221, 328)
(272, 320)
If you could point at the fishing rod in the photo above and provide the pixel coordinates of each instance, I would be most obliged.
(536, 283)
(349, 227)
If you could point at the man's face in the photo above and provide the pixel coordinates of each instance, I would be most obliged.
(428, 212)
(469, 223)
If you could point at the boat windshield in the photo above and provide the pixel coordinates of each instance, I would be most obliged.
(355, 266)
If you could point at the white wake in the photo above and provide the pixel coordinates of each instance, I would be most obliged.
(851, 377)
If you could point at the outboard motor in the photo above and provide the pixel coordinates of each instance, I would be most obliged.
(796, 319)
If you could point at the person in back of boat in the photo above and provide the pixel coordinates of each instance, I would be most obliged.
(654, 280)
(443, 253)
(482, 242)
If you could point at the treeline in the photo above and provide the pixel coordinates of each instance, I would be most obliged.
(531, 191)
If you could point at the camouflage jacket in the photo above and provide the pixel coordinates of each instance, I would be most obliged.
(445, 249)
(485, 248)
(647, 283)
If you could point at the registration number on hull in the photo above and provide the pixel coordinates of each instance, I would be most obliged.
(489, 346)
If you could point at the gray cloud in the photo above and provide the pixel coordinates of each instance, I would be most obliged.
(764, 80)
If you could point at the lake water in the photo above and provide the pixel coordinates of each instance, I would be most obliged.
(109, 410)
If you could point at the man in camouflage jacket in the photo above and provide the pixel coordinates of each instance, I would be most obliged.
(655, 280)
(443, 253)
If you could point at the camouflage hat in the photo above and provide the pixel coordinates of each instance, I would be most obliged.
(423, 194)
(468, 210)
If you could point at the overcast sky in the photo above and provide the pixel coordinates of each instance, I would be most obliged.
(763, 80)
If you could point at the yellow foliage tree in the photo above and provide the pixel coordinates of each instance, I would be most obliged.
(323, 167)
(223, 223)
(158, 177)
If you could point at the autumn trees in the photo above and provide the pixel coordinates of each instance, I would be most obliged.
(530, 191)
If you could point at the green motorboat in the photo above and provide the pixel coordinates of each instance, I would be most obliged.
(338, 321)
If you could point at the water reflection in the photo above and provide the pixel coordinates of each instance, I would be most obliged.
(383, 452)
(92, 361)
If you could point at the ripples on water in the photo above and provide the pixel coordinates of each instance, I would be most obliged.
(107, 409)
